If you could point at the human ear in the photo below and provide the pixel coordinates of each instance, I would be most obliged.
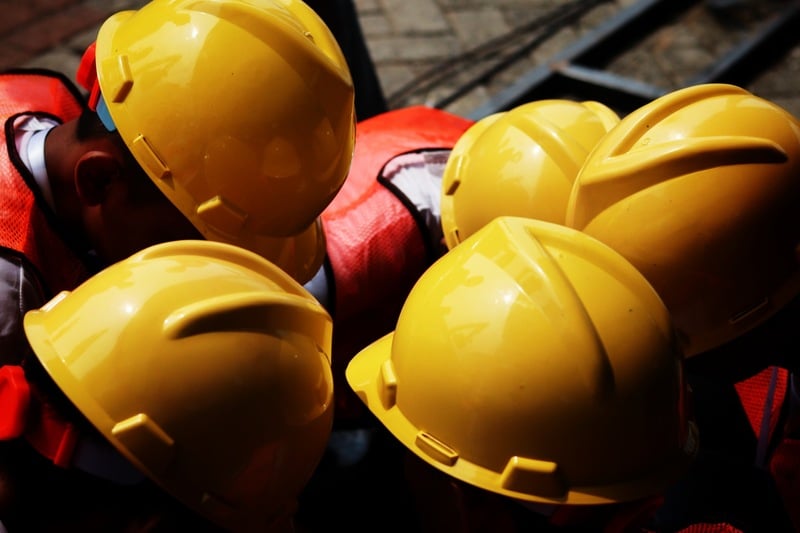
(95, 172)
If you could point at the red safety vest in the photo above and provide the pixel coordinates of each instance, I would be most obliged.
(376, 247)
(27, 225)
(763, 396)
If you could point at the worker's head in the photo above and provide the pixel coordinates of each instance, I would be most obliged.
(520, 162)
(699, 190)
(195, 369)
(107, 202)
(534, 362)
(239, 111)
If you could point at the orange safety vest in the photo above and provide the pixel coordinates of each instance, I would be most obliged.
(376, 245)
(27, 225)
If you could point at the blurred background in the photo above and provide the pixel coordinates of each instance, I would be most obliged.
(474, 57)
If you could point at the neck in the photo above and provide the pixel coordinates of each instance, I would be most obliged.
(61, 152)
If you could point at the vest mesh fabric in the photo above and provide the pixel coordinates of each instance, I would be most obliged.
(375, 247)
(24, 227)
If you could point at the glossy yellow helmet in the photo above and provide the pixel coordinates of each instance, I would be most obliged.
(242, 113)
(520, 162)
(699, 190)
(535, 362)
(207, 367)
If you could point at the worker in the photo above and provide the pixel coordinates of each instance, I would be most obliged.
(389, 223)
(420, 178)
(186, 388)
(698, 189)
(536, 379)
(226, 120)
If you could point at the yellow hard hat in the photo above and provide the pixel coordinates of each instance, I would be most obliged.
(241, 111)
(520, 162)
(207, 367)
(700, 189)
(535, 362)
